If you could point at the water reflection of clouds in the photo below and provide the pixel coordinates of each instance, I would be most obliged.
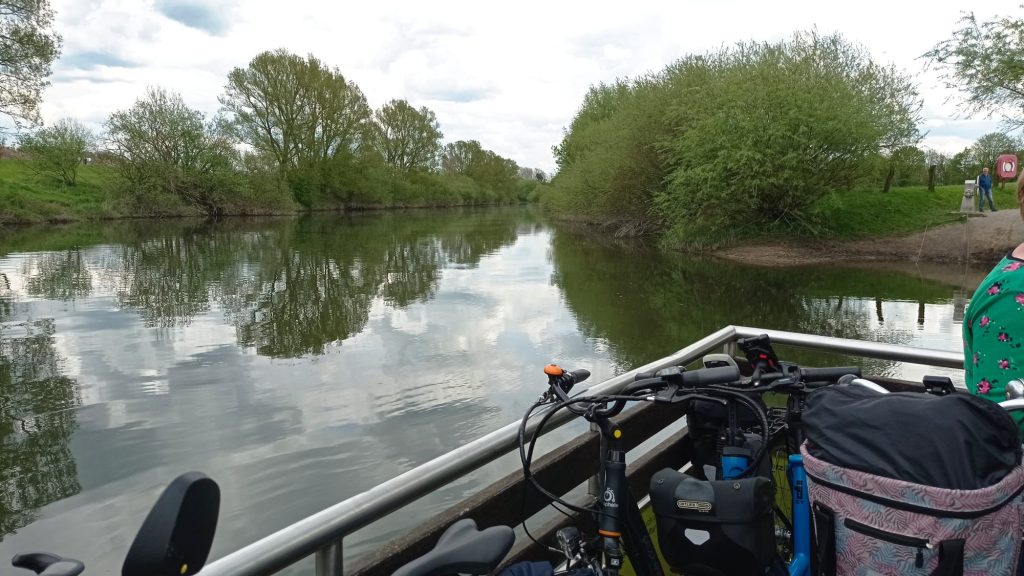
(441, 356)
(416, 382)
(902, 321)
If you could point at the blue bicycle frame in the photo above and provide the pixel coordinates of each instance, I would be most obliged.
(734, 464)
(801, 563)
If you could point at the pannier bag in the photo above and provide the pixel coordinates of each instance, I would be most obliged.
(714, 528)
(912, 483)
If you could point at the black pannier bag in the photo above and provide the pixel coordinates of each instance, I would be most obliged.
(714, 528)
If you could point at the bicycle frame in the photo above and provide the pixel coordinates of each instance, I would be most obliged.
(800, 565)
(614, 487)
(620, 525)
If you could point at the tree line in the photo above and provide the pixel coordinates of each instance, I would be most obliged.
(917, 166)
(291, 130)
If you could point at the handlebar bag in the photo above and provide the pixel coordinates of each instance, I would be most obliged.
(706, 421)
(714, 528)
(913, 483)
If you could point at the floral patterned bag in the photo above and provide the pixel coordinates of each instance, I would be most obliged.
(912, 483)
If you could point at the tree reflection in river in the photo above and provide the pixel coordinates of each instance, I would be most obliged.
(36, 420)
(647, 303)
(290, 287)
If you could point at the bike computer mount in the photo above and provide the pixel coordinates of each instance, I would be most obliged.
(759, 353)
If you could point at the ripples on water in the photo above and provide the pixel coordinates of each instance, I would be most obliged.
(301, 362)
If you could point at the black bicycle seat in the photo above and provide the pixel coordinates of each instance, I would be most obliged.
(48, 564)
(463, 549)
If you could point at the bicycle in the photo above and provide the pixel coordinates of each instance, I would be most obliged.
(449, 555)
(621, 531)
(174, 539)
(782, 435)
(794, 531)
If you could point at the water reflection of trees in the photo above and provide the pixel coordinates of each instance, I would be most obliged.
(290, 287)
(647, 304)
(37, 419)
(58, 275)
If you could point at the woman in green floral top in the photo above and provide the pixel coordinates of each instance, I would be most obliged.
(993, 327)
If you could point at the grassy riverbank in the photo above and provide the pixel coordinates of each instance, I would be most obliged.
(27, 197)
(853, 215)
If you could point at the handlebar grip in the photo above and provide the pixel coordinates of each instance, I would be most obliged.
(708, 376)
(832, 374)
(579, 375)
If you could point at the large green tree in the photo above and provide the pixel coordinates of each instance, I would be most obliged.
(746, 137)
(987, 148)
(755, 157)
(984, 63)
(58, 150)
(485, 167)
(408, 138)
(28, 47)
(296, 110)
(162, 146)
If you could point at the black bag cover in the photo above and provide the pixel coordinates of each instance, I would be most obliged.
(714, 528)
(959, 441)
(706, 410)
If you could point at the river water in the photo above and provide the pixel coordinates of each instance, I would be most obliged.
(301, 361)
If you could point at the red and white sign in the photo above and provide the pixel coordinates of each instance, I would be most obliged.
(1006, 166)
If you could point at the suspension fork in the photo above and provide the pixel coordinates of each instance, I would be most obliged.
(613, 497)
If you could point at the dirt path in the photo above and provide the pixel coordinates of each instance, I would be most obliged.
(978, 239)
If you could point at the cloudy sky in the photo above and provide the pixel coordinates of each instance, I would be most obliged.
(510, 75)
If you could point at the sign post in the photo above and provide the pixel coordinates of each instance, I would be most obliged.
(1006, 167)
(968, 205)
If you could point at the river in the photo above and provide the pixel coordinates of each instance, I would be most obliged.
(301, 361)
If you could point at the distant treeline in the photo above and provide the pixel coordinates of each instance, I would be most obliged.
(291, 133)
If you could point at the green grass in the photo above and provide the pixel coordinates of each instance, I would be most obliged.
(863, 213)
(29, 197)
(848, 215)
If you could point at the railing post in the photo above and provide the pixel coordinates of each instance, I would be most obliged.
(328, 560)
(729, 348)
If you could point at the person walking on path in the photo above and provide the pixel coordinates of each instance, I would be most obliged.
(985, 190)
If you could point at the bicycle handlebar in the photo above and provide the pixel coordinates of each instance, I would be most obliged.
(702, 377)
(828, 374)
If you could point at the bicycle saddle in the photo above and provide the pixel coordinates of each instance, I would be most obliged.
(462, 549)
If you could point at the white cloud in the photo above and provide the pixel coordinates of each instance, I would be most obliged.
(510, 76)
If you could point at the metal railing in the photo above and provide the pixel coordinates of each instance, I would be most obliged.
(323, 533)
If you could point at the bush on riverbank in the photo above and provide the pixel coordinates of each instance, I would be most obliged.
(750, 136)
